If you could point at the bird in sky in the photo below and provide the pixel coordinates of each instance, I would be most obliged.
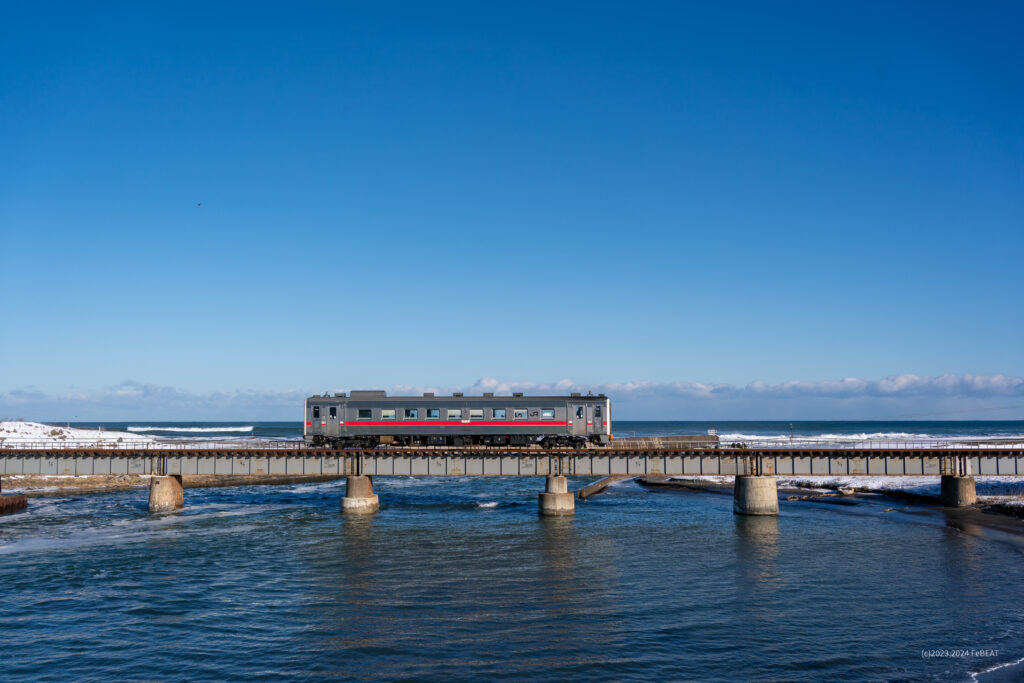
(198, 204)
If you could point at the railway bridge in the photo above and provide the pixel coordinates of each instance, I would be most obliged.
(754, 466)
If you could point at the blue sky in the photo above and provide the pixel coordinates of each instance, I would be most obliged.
(217, 201)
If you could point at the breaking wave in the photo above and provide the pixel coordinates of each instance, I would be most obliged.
(247, 428)
(863, 436)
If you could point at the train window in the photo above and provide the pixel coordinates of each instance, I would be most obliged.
(547, 413)
(597, 411)
(519, 414)
(333, 411)
(316, 412)
(387, 414)
(433, 413)
(365, 414)
(411, 413)
(499, 413)
(579, 412)
(476, 413)
(455, 413)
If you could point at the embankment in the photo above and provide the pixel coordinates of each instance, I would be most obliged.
(32, 484)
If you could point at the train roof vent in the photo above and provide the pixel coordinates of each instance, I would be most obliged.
(428, 394)
(457, 394)
(339, 394)
(376, 393)
(488, 394)
(517, 394)
(575, 394)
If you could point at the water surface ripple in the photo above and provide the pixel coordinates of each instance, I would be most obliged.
(459, 578)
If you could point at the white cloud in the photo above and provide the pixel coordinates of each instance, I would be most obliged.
(133, 400)
(903, 396)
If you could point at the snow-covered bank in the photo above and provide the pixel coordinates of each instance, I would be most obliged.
(189, 430)
(928, 486)
(18, 433)
(34, 484)
(1007, 490)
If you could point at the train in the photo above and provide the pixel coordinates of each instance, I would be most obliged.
(368, 419)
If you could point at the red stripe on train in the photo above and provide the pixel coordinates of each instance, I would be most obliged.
(440, 423)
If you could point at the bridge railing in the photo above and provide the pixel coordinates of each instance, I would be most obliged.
(140, 445)
(633, 443)
(870, 444)
(811, 443)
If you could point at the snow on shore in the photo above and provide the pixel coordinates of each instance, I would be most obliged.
(30, 433)
(996, 487)
(921, 485)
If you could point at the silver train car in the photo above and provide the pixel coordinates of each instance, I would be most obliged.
(366, 419)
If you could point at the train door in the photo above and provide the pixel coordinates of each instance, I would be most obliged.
(332, 420)
(578, 417)
(601, 418)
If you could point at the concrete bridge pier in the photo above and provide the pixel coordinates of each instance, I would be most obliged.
(556, 499)
(166, 493)
(957, 491)
(12, 503)
(359, 496)
(755, 495)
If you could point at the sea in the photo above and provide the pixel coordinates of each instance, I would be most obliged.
(460, 579)
(797, 432)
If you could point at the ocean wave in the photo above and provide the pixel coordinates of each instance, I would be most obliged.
(166, 526)
(247, 428)
(891, 439)
(319, 486)
(863, 436)
(974, 674)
